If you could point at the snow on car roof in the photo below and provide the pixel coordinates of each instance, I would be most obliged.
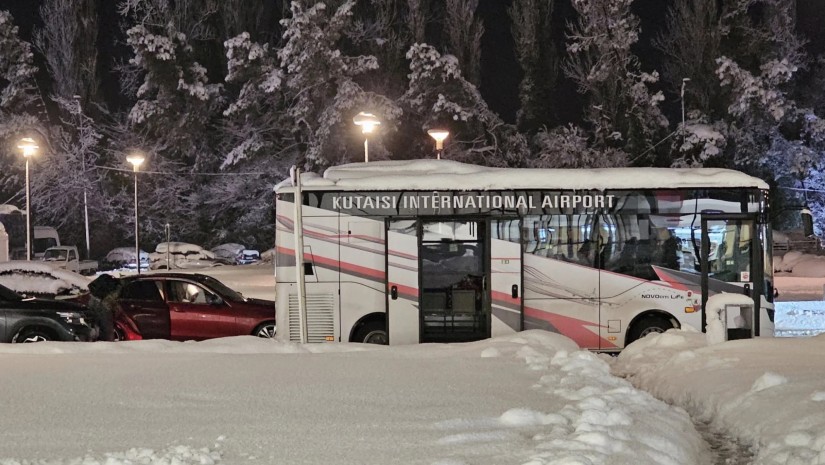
(40, 278)
(124, 254)
(447, 174)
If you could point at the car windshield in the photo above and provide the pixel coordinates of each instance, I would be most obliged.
(55, 254)
(9, 295)
(220, 288)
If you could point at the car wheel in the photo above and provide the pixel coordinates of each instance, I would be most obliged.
(120, 335)
(266, 330)
(648, 325)
(32, 335)
(373, 332)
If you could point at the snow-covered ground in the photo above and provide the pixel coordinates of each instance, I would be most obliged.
(531, 398)
(528, 398)
(767, 392)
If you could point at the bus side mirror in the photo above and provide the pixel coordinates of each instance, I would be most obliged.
(807, 223)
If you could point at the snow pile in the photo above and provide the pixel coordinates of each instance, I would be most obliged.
(448, 174)
(804, 318)
(531, 398)
(717, 319)
(42, 279)
(800, 264)
(769, 393)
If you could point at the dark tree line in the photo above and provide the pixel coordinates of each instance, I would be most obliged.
(223, 97)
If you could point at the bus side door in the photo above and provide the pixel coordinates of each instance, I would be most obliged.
(402, 282)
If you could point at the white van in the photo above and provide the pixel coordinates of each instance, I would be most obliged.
(43, 237)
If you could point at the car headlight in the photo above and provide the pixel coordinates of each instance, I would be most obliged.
(75, 318)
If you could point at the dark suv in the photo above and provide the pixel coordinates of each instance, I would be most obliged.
(33, 320)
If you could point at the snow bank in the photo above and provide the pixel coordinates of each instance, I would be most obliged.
(767, 392)
(530, 398)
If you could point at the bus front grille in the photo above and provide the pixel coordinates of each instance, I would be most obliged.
(320, 318)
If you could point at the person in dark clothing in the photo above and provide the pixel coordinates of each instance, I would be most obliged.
(104, 291)
(670, 252)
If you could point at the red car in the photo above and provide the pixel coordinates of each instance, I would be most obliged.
(183, 307)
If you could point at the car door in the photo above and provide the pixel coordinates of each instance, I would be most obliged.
(142, 300)
(196, 312)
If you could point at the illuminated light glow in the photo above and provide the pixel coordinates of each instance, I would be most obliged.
(367, 121)
(28, 146)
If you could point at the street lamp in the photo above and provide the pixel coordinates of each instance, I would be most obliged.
(79, 110)
(368, 123)
(439, 135)
(29, 148)
(136, 160)
(168, 245)
(682, 97)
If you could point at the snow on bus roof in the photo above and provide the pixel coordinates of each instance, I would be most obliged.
(448, 174)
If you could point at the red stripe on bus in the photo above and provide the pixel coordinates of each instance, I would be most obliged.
(573, 328)
(377, 275)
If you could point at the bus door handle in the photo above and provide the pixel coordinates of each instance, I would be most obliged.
(394, 292)
(514, 291)
(747, 289)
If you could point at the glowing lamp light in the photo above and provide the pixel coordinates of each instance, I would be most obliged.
(28, 146)
(136, 160)
(439, 135)
(367, 121)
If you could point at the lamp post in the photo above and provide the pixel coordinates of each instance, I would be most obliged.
(83, 166)
(168, 247)
(29, 148)
(136, 160)
(439, 135)
(682, 97)
(368, 122)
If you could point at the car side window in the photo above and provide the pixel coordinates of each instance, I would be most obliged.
(183, 291)
(145, 290)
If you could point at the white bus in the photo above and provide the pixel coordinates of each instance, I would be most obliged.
(404, 252)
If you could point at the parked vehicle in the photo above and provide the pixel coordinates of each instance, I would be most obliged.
(43, 238)
(192, 306)
(35, 320)
(68, 258)
(124, 258)
(181, 255)
(247, 256)
(227, 253)
(14, 222)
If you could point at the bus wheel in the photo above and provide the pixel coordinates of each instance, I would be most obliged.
(652, 324)
(373, 332)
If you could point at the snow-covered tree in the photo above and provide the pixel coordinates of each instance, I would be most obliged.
(622, 109)
(384, 29)
(439, 95)
(20, 103)
(538, 58)
(691, 42)
(569, 147)
(317, 80)
(418, 17)
(250, 16)
(71, 173)
(68, 41)
(464, 30)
